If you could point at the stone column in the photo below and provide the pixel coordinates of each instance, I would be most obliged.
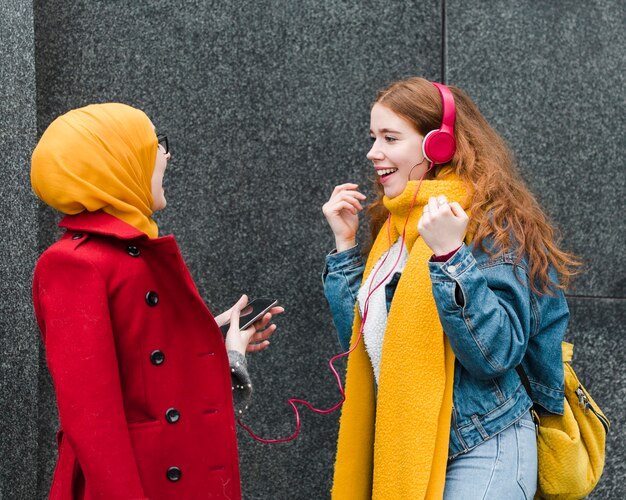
(19, 344)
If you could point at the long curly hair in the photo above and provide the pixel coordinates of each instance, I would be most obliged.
(502, 207)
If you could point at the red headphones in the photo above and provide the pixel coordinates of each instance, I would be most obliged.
(439, 145)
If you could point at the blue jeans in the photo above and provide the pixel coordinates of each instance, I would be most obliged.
(503, 467)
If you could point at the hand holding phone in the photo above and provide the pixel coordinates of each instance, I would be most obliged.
(252, 312)
(241, 336)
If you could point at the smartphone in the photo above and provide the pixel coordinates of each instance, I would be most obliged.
(253, 312)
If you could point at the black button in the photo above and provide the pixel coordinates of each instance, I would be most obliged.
(157, 357)
(174, 474)
(152, 298)
(133, 251)
(78, 236)
(172, 415)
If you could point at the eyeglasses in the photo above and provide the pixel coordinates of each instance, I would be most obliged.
(162, 141)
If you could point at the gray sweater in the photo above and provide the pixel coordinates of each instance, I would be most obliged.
(241, 382)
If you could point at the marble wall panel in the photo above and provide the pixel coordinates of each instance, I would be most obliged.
(19, 343)
(550, 76)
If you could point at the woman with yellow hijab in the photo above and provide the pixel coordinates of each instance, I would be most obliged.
(143, 377)
(443, 315)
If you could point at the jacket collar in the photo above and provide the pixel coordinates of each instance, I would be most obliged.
(101, 223)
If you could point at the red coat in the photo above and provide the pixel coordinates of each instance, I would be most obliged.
(139, 367)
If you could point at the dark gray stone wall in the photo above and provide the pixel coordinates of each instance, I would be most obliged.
(266, 105)
(19, 346)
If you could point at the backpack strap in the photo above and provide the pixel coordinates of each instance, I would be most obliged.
(526, 383)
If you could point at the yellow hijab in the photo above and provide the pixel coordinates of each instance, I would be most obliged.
(99, 157)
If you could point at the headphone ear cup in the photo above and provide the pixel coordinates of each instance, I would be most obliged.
(439, 146)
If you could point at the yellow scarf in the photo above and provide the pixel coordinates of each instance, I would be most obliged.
(99, 157)
(396, 447)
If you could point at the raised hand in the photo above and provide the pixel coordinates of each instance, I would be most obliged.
(443, 225)
(341, 212)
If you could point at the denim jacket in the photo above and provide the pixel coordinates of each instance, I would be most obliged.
(494, 322)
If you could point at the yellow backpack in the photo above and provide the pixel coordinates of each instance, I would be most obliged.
(570, 447)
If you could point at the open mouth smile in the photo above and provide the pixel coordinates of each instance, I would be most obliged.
(385, 173)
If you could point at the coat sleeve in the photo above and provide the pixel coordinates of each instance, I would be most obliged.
(71, 305)
(242, 383)
(485, 314)
(342, 276)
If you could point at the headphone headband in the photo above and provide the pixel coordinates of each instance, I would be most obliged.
(439, 145)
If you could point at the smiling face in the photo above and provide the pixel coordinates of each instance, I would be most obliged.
(396, 150)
